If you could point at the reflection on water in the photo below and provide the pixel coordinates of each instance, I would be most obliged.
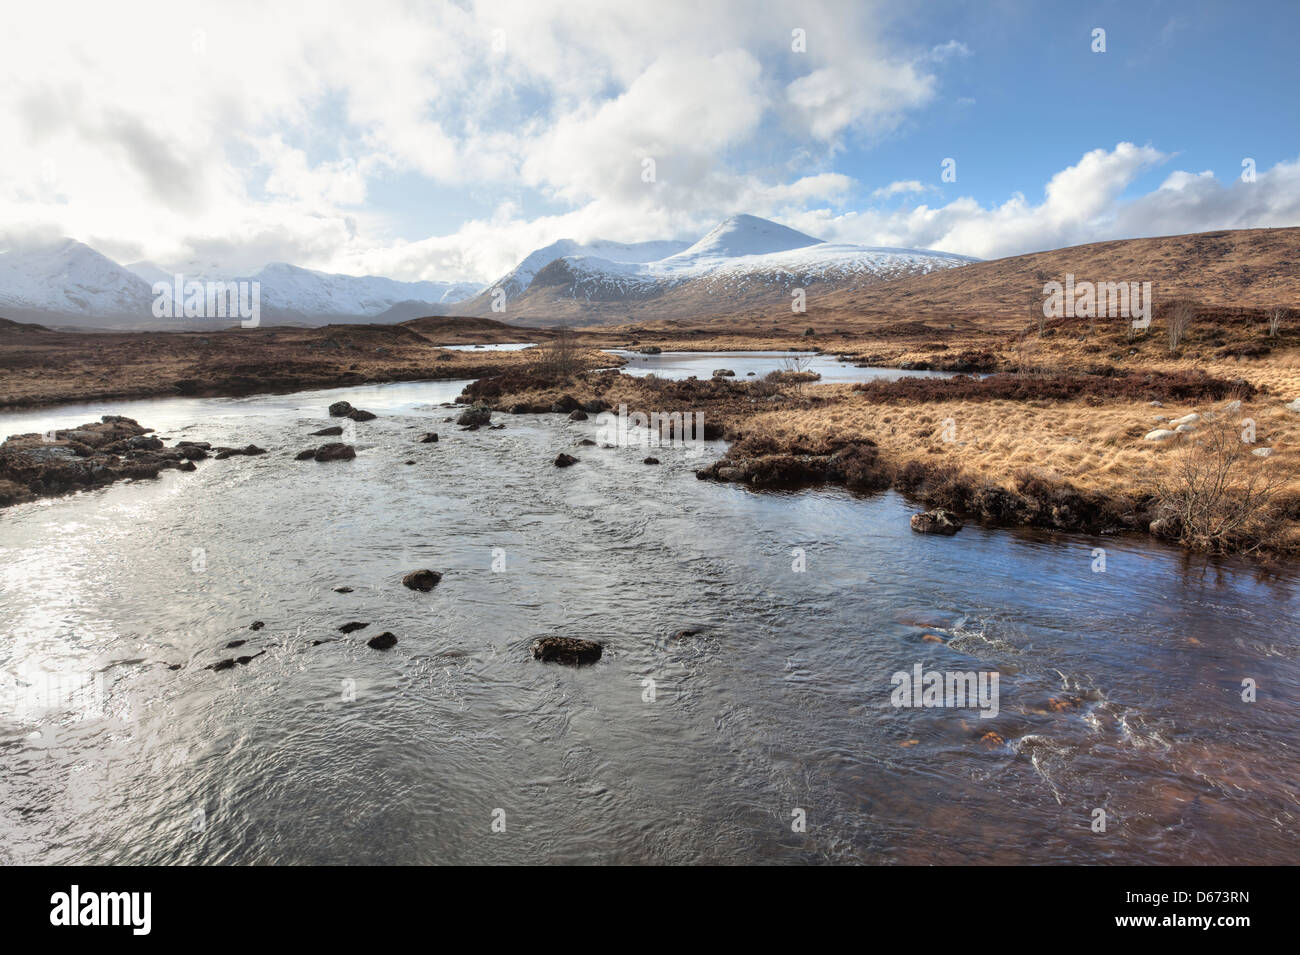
(746, 364)
(1119, 690)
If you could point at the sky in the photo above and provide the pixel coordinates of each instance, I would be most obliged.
(423, 140)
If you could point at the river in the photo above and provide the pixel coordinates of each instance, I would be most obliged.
(769, 736)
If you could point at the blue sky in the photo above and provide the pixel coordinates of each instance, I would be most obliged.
(447, 141)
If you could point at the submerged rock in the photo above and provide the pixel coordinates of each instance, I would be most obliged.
(385, 641)
(256, 625)
(937, 521)
(578, 415)
(335, 431)
(354, 625)
(305, 455)
(650, 461)
(356, 414)
(424, 580)
(567, 650)
(563, 460)
(340, 409)
(430, 437)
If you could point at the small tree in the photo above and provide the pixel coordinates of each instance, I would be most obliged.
(1181, 315)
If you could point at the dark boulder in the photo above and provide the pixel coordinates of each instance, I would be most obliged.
(331, 432)
(424, 580)
(477, 416)
(384, 641)
(256, 625)
(340, 409)
(430, 437)
(650, 461)
(578, 415)
(563, 460)
(334, 451)
(567, 650)
(356, 414)
(354, 625)
(305, 455)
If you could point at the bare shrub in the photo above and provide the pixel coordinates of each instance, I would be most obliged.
(1275, 317)
(560, 357)
(1181, 315)
(794, 370)
(1218, 496)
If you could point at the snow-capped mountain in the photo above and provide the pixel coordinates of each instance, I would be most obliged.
(514, 282)
(289, 288)
(71, 278)
(744, 261)
(69, 283)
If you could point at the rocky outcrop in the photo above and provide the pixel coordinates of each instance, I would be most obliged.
(91, 455)
(567, 650)
(250, 450)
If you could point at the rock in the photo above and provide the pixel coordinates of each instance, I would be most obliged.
(334, 451)
(567, 650)
(1185, 428)
(424, 580)
(305, 455)
(429, 437)
(564, 404)
(340, 409)
(723, 373)
(587, 443)
(595, 405)
(356, 414)
(220, 665)
(329, 432)
(563, 460)
(1262, 452)
(650, 461)
(1159, 434)
(937, 521)
(476, 416)
(256, 625)
(1232, 407)
(187, 466)
(1157, 404)
(354, 625)
(578, 415)
(687, 634)
(1293, 406)
(1192, 418)
(408, 462)
(250, 450)
(343, 590)
(651, 350)
(244, 661)
(235, 643)
(385, 641)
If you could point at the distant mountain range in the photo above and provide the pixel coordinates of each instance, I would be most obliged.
(70, 284)
(743, 263)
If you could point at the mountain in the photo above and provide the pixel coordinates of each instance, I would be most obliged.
(306, 292)
(744, 262)
(514, 282)
(71, 280)
(67, 283)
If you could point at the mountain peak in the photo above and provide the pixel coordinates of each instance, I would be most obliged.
(741, 235)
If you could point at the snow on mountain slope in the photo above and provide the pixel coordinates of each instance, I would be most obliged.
(150, 272)
(742, 256)
(71, 278)
(514, 282)
(308, 292)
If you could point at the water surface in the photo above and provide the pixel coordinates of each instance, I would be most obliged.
(780, 703)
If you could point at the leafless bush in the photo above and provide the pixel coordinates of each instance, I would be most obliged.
(558, 358)
(1218, 496)
(1275, 317)
(794, 370)
(1181, 315)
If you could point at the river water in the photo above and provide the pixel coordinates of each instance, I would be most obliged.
(1119, 690)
